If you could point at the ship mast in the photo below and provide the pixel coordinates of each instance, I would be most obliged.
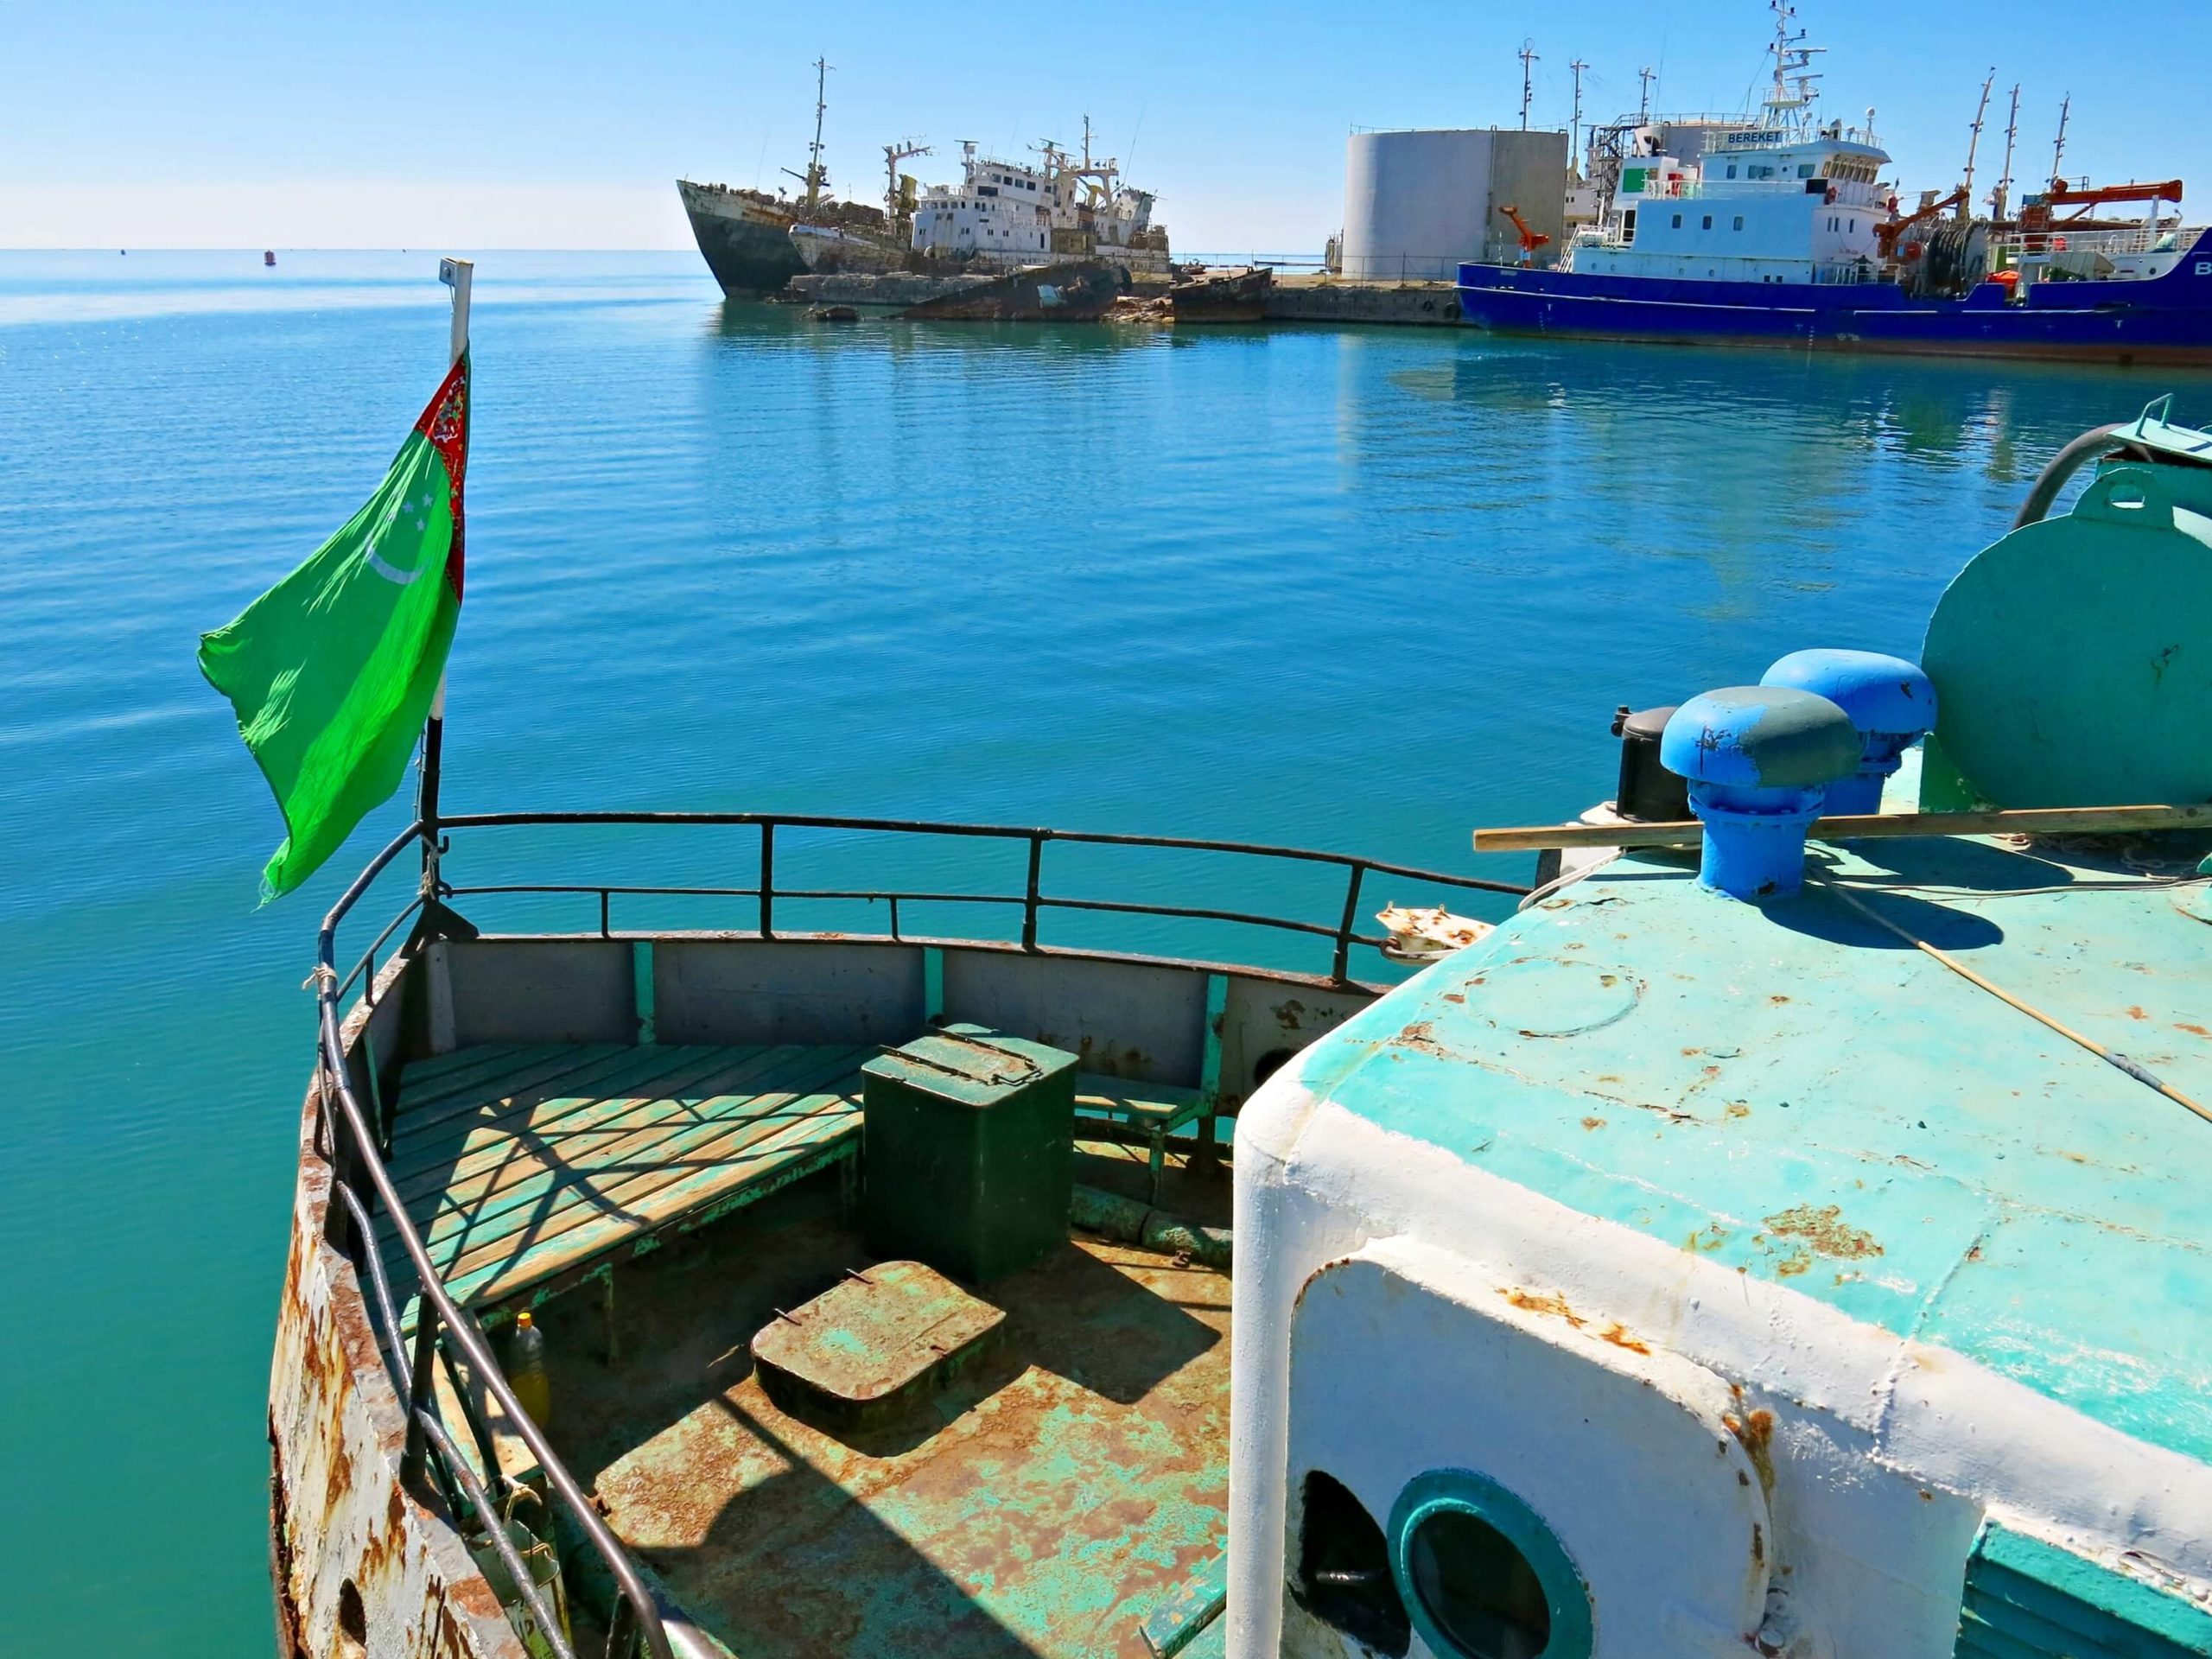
(894, 200)
(1974, 144)
(1787, 104)
(2001, 196)
(2058, 146)
(1575, 126)
(1529, 58)
(816, 176)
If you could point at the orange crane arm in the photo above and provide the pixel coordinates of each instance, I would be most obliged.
(2060, 196)
(1530, 240)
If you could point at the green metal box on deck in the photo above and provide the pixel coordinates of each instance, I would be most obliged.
(969, 1143)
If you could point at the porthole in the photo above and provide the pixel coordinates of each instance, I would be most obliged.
(1481, 1575)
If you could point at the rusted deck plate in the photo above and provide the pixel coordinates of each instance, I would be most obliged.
(520, 1164)
(1045, 1506)
(871, 1346)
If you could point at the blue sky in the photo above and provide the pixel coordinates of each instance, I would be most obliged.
(556, 124)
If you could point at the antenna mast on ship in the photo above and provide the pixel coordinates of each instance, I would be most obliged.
(816, 176)
(1974, 144)
(2058, 146)
(894, 199)
(2001, 196)
(1793, 62)
(1646, 74)
(1574, 127)
(1529, 58)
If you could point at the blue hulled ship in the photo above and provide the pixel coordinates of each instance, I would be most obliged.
(1779, 227)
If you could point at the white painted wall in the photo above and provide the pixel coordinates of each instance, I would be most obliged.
(1418, 203)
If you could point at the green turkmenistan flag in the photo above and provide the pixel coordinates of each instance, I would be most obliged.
(332, 672)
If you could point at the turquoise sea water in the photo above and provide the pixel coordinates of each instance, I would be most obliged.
(1355, 589)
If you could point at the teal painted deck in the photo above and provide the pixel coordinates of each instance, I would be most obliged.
(521, 1165)
(1791, 1090)
(1044, 1505)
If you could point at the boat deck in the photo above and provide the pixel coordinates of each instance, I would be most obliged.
(527, 1166)
(1049, 1503)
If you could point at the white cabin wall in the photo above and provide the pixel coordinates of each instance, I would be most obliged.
(1885, 1453)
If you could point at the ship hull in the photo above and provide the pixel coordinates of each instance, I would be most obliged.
(2164, 320)
(1076, 292)
(1237, 296)
(745, 243)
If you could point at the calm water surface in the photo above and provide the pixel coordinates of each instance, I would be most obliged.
(1355, 589)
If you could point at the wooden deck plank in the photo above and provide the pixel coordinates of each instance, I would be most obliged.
(521, 1163)
(812, 1143)
(438, 1157)
(422, 1113)
(423, 1073)
(427, 1082)
(1160, 1105)
(568, 1127)
(547, 1205)
(673, 1128)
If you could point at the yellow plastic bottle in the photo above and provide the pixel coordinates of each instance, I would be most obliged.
(526, 1370)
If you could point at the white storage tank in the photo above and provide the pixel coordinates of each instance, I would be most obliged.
(1418, 202)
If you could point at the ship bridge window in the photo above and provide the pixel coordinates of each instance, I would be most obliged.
(1481, 1575)
(1804, 170)
(1732, 169)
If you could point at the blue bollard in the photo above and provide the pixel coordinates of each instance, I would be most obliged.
(1759, 761)
(1891, 702)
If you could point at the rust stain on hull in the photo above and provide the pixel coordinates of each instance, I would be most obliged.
(355, 1559)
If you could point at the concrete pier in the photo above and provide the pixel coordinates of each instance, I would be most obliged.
(1332, 299)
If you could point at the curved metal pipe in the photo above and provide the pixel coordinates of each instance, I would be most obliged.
(2062, 467)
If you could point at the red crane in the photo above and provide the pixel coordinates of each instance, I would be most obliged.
(1530, 240)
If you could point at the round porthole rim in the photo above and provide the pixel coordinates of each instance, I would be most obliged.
(1567, 1594)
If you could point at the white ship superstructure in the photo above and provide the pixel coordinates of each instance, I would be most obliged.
(1001, 212)
(1778, 197)
(1011, 213)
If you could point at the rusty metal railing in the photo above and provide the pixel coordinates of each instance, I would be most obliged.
(355, 1140)
(635, 1628)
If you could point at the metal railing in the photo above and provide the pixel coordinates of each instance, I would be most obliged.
(441, 1324)
(355, 1140)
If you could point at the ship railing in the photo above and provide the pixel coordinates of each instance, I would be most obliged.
(1845, 273)
(2134, 238)
(355, 1140)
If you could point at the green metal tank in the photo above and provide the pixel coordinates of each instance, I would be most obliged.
(970, 1145)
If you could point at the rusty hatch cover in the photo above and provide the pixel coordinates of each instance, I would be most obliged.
(867, 1348)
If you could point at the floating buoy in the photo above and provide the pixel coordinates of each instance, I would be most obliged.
(268, 255)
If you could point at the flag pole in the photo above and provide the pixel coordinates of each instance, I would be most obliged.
(455, 274)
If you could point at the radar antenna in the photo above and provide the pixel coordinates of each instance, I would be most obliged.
(1797, 83)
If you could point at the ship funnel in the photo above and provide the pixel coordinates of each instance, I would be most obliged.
(1759, 761)
(1891, 702)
